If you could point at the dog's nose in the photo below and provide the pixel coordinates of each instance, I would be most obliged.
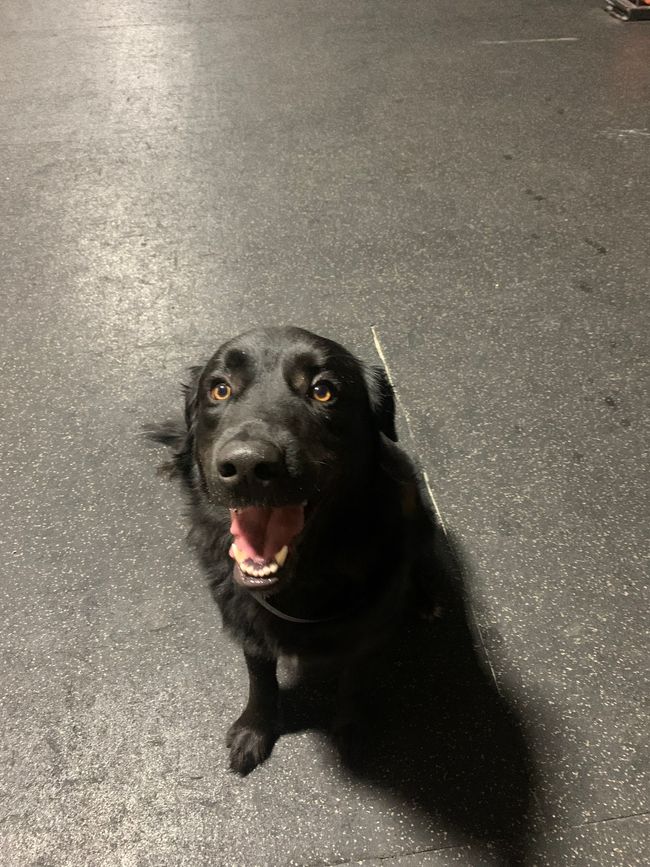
(256, 463)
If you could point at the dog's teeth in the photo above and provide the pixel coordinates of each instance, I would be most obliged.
(281, 556)
(253, 571)
(236, 554)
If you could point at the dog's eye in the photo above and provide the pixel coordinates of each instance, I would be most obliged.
(220, 391)
(322, 391)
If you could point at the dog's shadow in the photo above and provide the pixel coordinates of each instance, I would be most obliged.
(443, 737)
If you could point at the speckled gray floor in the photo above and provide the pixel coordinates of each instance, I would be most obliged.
(434, 181)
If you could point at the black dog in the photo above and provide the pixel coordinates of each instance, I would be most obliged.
(306, 516)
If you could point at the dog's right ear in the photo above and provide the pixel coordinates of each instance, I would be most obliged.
(382, 400)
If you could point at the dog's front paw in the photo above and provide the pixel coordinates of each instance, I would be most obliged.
(249, 745)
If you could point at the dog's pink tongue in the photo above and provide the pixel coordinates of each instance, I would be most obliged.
(260, 533)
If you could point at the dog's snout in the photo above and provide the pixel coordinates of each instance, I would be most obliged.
(253, 463)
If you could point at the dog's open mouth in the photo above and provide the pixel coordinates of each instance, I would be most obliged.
(262, 539)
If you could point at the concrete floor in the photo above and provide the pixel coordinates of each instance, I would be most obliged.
(462, 187)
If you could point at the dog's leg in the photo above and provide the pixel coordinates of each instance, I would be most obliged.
(250, 739)
(351, 721)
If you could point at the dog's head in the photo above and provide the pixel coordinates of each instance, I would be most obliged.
(279, 423)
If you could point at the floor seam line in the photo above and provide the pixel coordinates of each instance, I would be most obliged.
(397, 855)
(609, 819)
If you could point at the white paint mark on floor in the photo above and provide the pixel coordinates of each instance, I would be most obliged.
(427, 484)
(400, 403)
(381, 354)
(470, 610)
(627, 133)
(527, 41)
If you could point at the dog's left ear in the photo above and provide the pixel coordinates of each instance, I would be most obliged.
(177, 433)
(382, 400)
(191, 391)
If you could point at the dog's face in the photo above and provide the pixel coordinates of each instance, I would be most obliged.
(282, 420)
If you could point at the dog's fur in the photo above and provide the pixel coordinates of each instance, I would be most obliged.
(364, 558)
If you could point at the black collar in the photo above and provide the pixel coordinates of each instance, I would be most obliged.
(289, 617)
